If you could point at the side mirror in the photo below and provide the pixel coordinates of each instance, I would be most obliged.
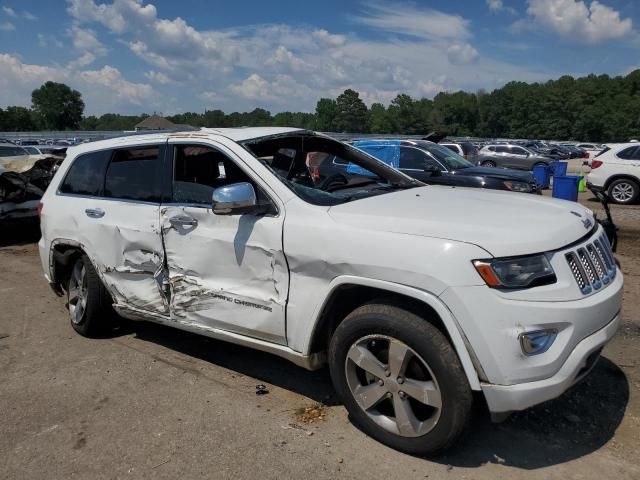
(237, 198)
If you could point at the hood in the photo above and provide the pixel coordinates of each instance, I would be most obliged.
(500, 173)
(502, 223)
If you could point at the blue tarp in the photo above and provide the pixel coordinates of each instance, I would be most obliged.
(387, 151)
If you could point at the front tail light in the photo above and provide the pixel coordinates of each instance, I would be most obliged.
(596, 164)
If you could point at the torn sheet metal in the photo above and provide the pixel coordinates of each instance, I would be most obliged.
(227, 272)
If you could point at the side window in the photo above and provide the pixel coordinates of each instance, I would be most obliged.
(198, 170)
(518, 151)
(86, 175)
(453, 148)
(12, 152)
(135, 174)
(491, 149)
(502, 149)
(414, 159)
(629, 153)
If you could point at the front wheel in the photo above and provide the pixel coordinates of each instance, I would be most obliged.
(488, 163)
(400, 379)
(623, 191)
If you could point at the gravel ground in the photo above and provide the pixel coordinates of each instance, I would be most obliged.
(150, 401)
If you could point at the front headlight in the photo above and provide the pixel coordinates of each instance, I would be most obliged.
(520, 272)
(517, 186)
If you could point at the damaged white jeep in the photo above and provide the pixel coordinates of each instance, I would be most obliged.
(415, 295)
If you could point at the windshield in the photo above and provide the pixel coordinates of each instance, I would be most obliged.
(451, 160)
(323, 171)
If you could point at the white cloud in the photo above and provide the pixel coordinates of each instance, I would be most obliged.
(86, 40)
(104, 90)
(279, 67)
(406, 19)
(87, 58)
(45, 41)
(157, 77)
(111, 79)
(576, 20)
(253, 87)
(460, 54)
(9, 12)
(7, 27)
(29, 16)
(498, 6)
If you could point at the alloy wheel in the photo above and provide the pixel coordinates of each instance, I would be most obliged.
(78, 293)
(393, 385)
(622, 192)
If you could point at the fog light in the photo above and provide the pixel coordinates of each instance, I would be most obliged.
(534, 343)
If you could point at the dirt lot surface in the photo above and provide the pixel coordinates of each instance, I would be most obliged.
(154, 402)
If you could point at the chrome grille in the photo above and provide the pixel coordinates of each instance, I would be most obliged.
(592, 265)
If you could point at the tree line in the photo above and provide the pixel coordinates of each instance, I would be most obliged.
(594, 108)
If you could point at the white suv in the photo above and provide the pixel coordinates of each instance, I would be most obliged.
(616, 171)
(415, 295)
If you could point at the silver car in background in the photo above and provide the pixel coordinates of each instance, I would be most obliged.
(510, 156)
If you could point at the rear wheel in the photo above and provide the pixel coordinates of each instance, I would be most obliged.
(488, 163)
(400, 379)
(623, 191)
(88, 301)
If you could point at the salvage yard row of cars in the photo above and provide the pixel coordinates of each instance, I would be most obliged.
(246, 236)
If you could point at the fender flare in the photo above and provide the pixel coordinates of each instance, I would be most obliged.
(458, 339)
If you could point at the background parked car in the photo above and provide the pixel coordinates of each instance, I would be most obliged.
(510, 156)
(428, 162)
(467, 150)
(616, 171)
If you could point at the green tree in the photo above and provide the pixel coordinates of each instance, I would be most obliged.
(379, 119)
(351, 113)
(57, 106)
(326, 112)
(17, 119)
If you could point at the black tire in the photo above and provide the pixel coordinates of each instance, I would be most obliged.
(426, 341)
(623, 191)
(488, 163)
(96, 316)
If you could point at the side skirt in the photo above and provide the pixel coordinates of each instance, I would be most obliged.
(309, 362)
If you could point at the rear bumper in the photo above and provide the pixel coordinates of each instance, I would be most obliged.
(596, 188)
(507, 398)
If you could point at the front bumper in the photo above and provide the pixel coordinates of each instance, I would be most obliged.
(508, 398)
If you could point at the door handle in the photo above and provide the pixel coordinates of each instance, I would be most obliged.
(183, 221)
(94, 212)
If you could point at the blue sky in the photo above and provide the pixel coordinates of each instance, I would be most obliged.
(133, 56)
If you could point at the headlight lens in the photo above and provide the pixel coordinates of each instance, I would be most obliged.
(520, 272)
(517, 186)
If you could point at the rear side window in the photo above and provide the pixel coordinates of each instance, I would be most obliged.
(630, 153)
(86, 175)
(135, 174)
(502, 149)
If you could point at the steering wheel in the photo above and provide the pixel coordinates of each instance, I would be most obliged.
(331, 179)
